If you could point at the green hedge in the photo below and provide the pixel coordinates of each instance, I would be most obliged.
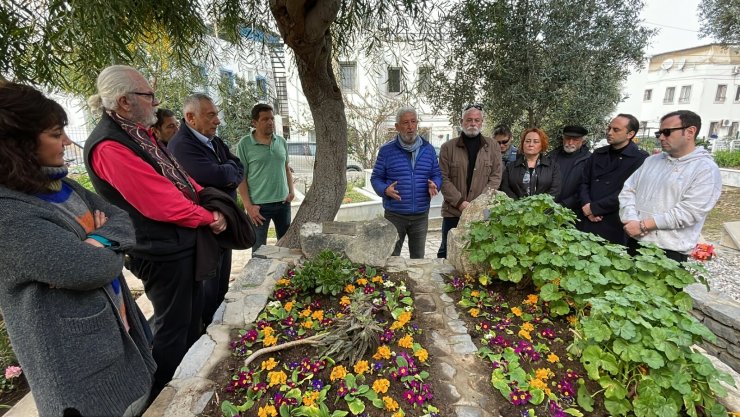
(727, 159)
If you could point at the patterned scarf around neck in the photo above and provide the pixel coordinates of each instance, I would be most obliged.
(413, 148)
(169, 166)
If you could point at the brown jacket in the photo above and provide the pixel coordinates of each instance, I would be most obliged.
(453, 160)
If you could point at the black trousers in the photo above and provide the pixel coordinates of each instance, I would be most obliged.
(178, 304)
(214, 290)
(448, 223)
(633, 245)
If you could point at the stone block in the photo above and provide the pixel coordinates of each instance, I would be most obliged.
(371, 243)
(253, 274)
(446, 298)
(462, 344)
(700, 295)
(195, 358)
(339, 228)
(726, 311)
(191, 398)
(451, 312)
(448, 372)
(451, 392)
(730, 235)
(468, 411)
(730, 335)
(730, 360)
(457, 326)
(439, 345)
(424, 303)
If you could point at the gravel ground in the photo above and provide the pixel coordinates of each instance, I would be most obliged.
(724, 272)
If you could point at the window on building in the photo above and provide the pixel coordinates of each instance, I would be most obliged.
(669, 93)
(733, 130)
(228, 79)
(348, 75)
(424, 79)
(721, 94)
(737, 95)
(648, 95)
(713, 128)
(394, 79)
(685, 96)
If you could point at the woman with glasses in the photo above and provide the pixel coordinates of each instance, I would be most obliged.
(532, 172)
(80, 338)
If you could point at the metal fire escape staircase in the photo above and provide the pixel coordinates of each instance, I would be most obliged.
(277, 55)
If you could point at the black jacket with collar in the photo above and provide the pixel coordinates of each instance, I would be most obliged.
(546, 178)
(571, 174)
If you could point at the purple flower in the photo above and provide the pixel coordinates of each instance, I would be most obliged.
(519, 397)
(317, 384)
(548, 333)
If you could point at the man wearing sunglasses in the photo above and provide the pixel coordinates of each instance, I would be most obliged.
(571, 157)
(667, 199)
(502, 135)
(471, 165)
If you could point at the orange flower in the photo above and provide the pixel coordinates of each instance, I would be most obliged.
(390, 404)
(553, 358)
(339, 372)
(267, 411)
(276, 378)
(401, 321)
(474, 312)
(309, 398)
(406, 342)
(267, 331)
(269, 340)
(383, 352)
(345, 301)
(361, 367)
(531, 299)
(288, 306)
(475, 293)
(527, 326)
(318, 315)
(525, 334)
(308, 324)
(377, 279)
(362, 281)
(283, 282)
(422, 354)
(380, 386)
(543, 374)
(349, 288)
(517, 311)
(306, 312)
(269, 364)
(571, 320)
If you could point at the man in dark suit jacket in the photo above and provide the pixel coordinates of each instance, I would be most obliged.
(571, 157)
(603, 177)
(208, 160)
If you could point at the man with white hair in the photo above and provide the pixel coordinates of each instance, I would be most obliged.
(130, 169)
(471, 165)
(406, 174)
(209, 161)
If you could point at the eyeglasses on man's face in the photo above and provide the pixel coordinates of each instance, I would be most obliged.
(667, 131)
(503, 142)
(473, 106)
(151, 96)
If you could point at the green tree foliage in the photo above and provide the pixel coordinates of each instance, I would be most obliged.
(540, 62)
(237, 98)
(721, 19)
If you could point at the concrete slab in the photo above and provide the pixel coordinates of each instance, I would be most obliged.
(730, 235)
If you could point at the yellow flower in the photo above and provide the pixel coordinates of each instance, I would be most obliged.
(269, 340)
(571, 320)
(362, 281)
(276, 378)
(538, 383)
(267, 331)
(475, 293)
(269, 364)
(422, 354)
(339, 372)
(283, 282)
(380, 386)
(531, 300)
(401, 321)
(525, 334)
(543, 374)
(517, 311)
(318, 315)
(361, 367)
(553, 358)
(398, 413)
(474, 312)
(339, 315)
(390, 404)
(527, 327)
(345, 301)
(377, 279)
(349, 289)
(309, 398)
(556, 281)
(308, 324)
(306, 312)
(406, 342)
(383, 352)
(288, 306)
(267, 411)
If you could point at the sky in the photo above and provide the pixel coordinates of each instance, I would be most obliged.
(677, 22)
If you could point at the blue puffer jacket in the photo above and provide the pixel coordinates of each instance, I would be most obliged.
(394, 164)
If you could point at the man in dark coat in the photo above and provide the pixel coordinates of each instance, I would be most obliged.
(571, 157)
(208, 160)
(604, 175)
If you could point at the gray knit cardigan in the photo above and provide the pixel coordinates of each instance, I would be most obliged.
(57, 305)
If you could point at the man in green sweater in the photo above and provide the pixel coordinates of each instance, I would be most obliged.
(267, 188)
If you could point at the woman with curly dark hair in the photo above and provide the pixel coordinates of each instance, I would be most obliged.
(82, 342)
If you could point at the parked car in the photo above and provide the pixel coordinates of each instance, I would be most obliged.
(302, 156)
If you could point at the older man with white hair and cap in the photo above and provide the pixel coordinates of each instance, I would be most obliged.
(130, 169)
(571, 157)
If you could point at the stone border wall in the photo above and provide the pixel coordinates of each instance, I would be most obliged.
(722, 316)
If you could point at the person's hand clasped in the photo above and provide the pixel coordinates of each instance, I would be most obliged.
(253, 211)
(219, 222)
(290, 197)
(99, 219)
(432, 188)
(391, 191)
(632, 228)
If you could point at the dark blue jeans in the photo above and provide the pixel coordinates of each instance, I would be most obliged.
(413, 225)
(448, 223)
(279, 213)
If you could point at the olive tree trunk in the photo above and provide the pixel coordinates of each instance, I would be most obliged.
(305, 27)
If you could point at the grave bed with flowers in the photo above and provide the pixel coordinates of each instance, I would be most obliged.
(572, 325)
(335, 339)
